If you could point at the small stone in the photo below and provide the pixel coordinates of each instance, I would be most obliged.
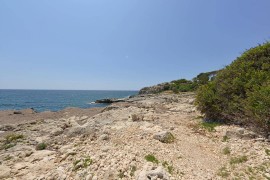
(259, 139)
(191, 101)
(240, 130)
(78, 165)
(249, 135)
(89, 177)
(171, 128)
(104, 137)
(105, 149)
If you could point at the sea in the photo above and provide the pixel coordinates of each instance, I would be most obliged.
(55, 100)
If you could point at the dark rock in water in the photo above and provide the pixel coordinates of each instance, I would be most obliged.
(109, 101)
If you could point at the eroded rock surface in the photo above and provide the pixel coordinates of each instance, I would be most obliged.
(125, 141)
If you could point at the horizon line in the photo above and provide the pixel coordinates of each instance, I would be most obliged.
(70, 89)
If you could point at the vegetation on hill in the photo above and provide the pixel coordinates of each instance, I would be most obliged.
(240, 93)
(181, 85)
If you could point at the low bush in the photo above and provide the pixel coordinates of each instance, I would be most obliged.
(41, 146)
(11, 141)
(238, 160)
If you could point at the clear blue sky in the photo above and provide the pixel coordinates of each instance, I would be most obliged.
(122, 44)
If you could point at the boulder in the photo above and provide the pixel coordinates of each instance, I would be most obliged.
(240, 134)
(164, 137)
(4, 171)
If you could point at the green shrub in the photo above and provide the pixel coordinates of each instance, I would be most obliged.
(225, 138)
(182, 85)
(169, 168)
(41, 146)
(267, 151)
(238, 160)
(226, 151)
(13, 138)
(82, 163)
(11, 141)
(223, 172)
(133, 170)
(151, 158)
(240, 93)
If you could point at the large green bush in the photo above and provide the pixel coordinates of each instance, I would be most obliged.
(240, 92)
(182, 85)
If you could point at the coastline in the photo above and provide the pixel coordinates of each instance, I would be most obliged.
(144, 136)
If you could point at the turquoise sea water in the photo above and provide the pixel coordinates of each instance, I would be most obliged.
(55, 100)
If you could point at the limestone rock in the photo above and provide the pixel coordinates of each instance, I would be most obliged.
(7, 127)
(164, 136)
(79, 130)
(136, 117)
(4, 171)
(56, 132)
(104, 137)
(153, 173)
(240, 130)
(240, 134)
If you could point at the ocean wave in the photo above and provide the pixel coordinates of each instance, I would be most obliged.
(91, 103)
(8, 104)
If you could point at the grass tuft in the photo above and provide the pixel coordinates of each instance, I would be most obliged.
(267, 151)
(166, 165)
(151, 158)
(238, 160)
(209, 126)
(223, 172)
(226, 151)
(225, 139)
(132, 171)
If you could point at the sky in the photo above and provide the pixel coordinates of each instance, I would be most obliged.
(122, 44)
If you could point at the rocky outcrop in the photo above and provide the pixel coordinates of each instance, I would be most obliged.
(154, 89)
(109, 101)
(131, 140)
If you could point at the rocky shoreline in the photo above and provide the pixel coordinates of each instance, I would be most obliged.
(159, 136)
